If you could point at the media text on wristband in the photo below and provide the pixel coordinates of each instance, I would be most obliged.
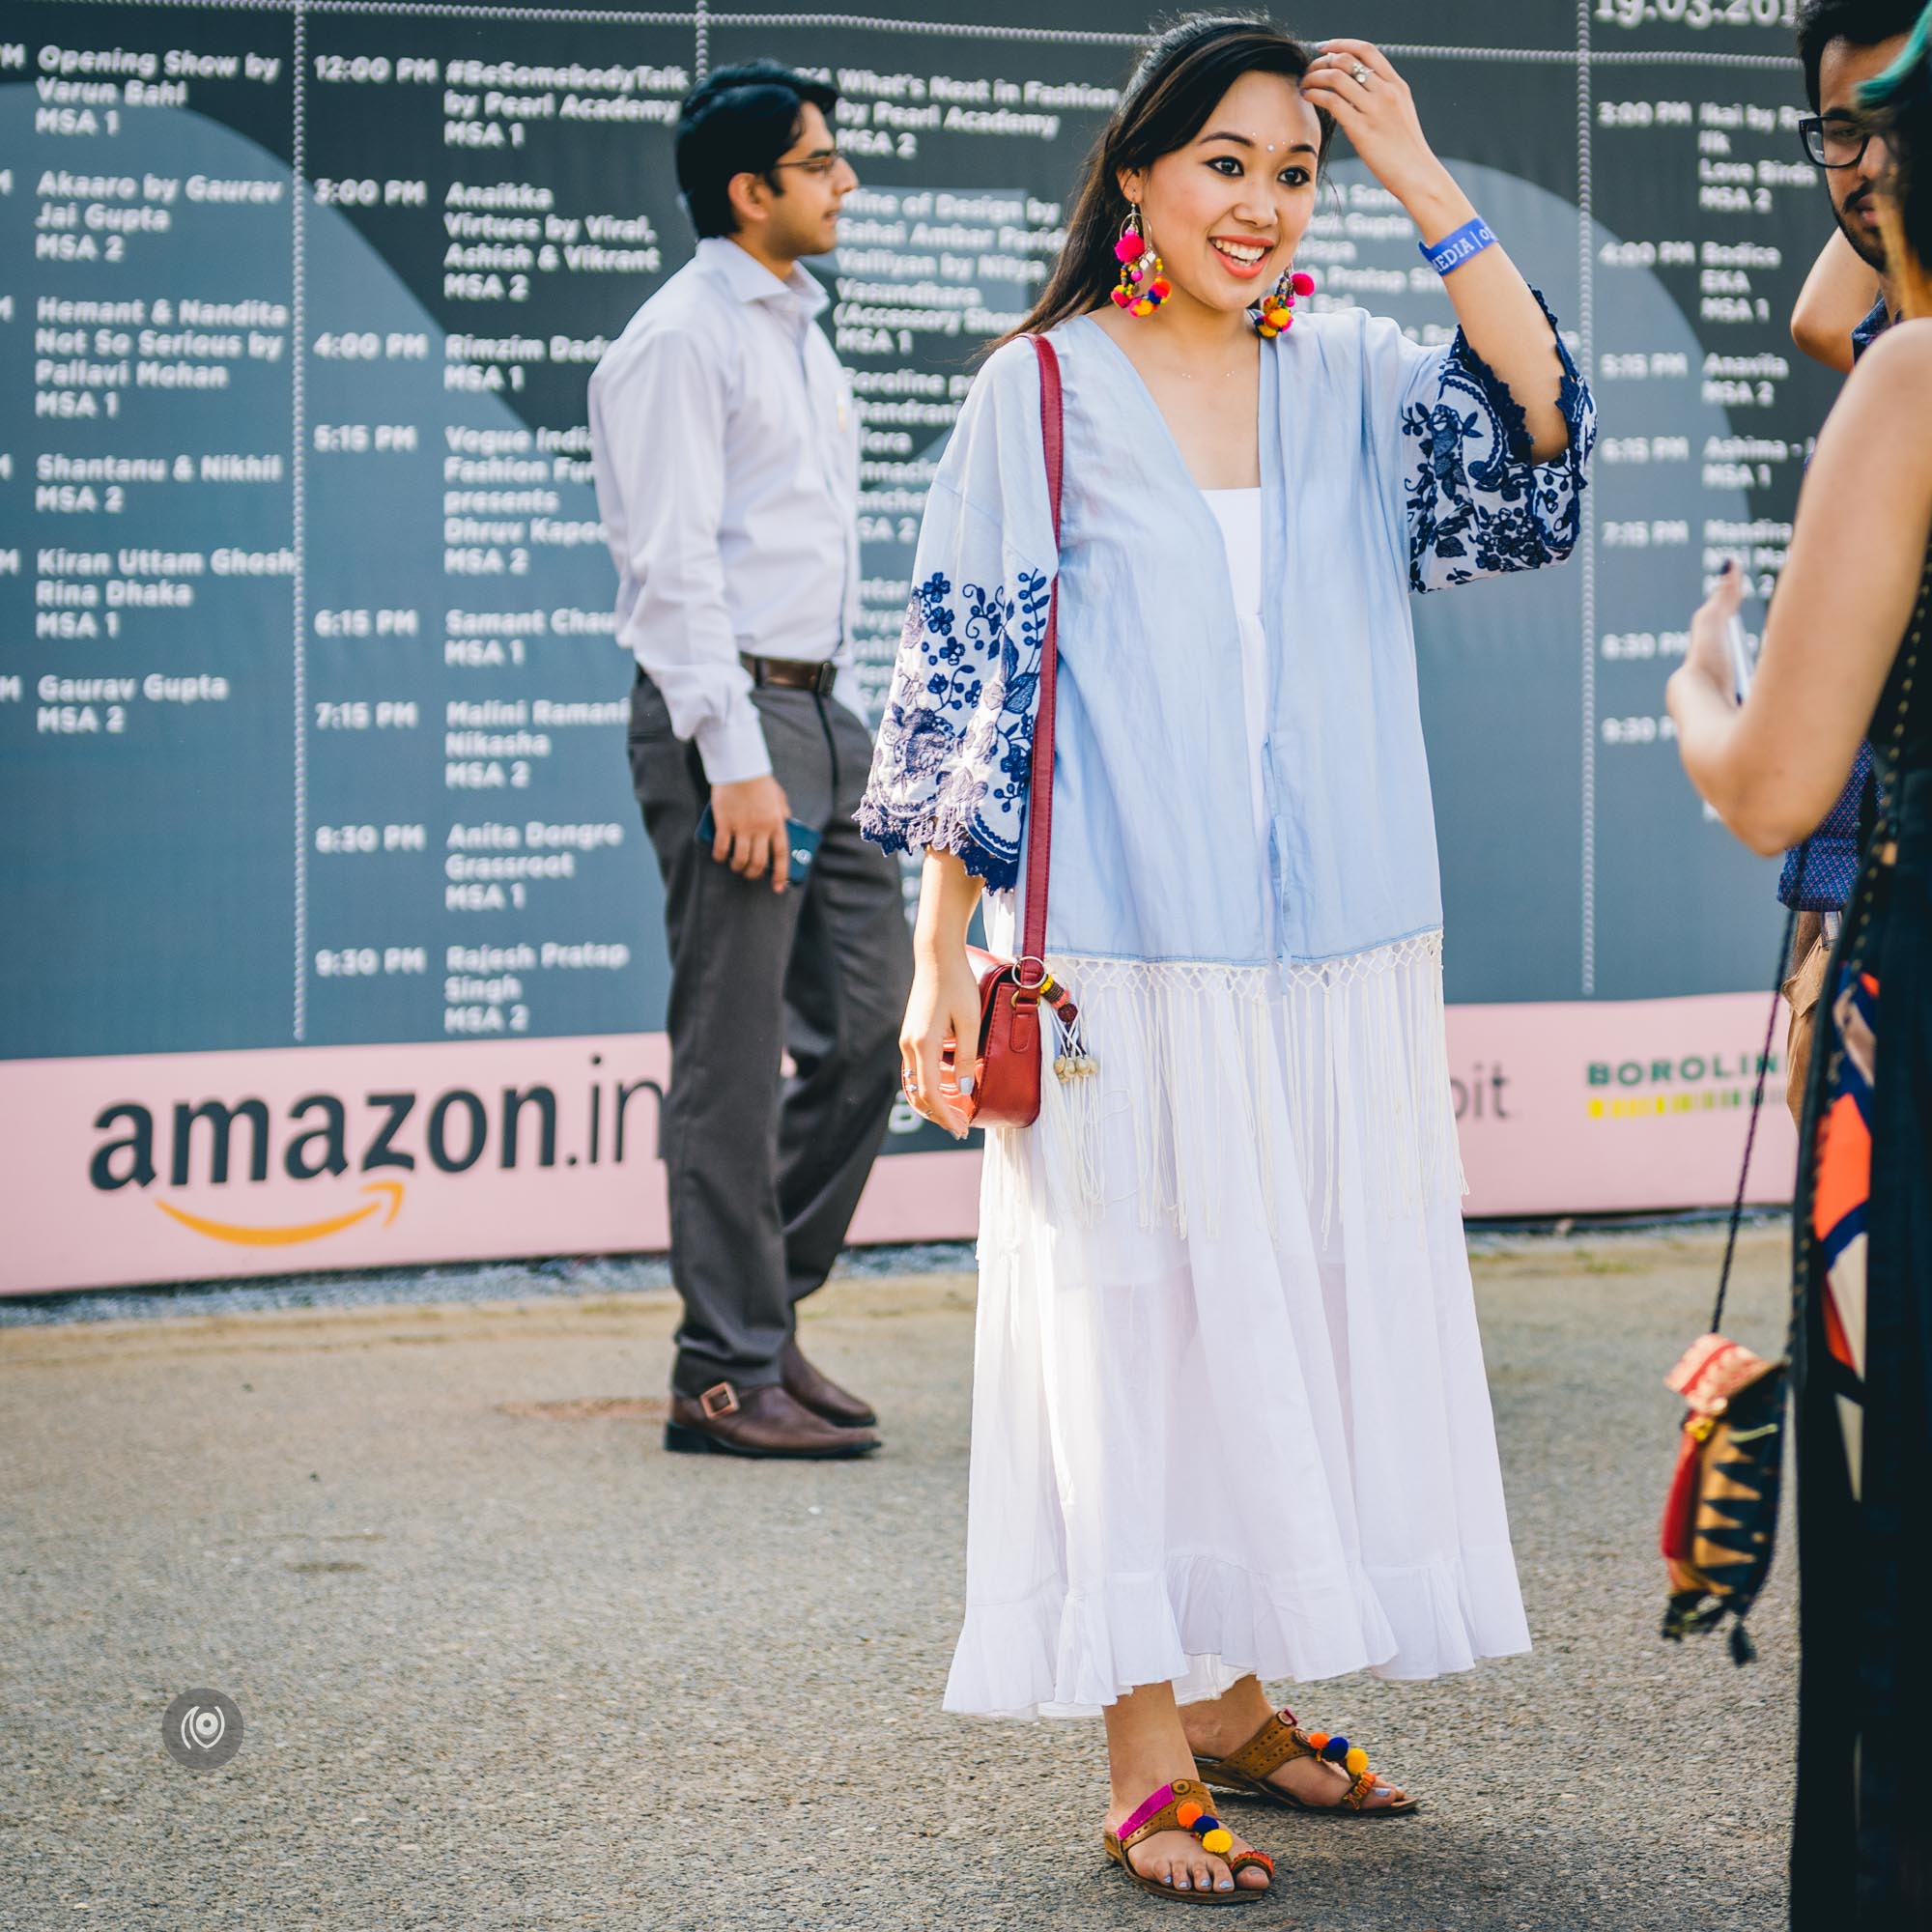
(1453, 250)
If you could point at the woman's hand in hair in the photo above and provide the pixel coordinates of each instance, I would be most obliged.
(1494, 304)
(1377, 115)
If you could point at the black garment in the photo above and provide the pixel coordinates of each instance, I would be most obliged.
(765, 1170)
(1861, 1848)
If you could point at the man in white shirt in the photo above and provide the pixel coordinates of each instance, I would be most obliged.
(727, 456)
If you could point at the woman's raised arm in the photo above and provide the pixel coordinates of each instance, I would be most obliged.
(1500, 316)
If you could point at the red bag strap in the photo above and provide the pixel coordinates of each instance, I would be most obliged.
(1032, 963)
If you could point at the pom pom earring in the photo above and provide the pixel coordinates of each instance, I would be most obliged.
(1276, 314)
(1143, 286)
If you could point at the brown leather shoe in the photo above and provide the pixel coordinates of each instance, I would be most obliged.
(819, 1393)
(759, 1422)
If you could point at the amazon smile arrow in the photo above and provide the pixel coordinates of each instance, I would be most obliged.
(286, 1237)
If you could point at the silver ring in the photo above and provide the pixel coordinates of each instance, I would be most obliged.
(1359, 74)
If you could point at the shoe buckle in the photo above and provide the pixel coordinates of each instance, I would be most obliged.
(720, 1399)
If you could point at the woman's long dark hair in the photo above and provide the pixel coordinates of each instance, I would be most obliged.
(1175, 88)
(1899, 106)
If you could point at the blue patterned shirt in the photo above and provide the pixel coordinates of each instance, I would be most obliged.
(1387, 467)
(1831, 862)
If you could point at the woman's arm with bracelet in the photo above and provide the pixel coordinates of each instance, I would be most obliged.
(1771, 767)
(1499, 314)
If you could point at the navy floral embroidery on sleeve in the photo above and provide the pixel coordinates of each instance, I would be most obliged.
(955, 749)
(1479, 504)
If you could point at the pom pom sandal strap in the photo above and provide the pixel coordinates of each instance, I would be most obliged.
(1277, 1742)
(1281, 1741)
(1184, 1807)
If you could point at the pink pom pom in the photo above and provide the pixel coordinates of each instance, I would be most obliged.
(1302, 285)
(1124, 298)
(1130, 248)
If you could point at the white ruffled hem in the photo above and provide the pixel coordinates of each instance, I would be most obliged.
(1206, 1623)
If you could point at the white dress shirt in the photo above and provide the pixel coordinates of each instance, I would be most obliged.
(726, 449)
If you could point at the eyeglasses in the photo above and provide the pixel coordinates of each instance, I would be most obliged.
(1834, 143)
(818, 166)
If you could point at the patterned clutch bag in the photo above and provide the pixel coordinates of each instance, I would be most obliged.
(1721, 1511)
(1721, 1516)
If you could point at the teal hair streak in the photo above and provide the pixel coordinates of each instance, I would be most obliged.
(1908, 74)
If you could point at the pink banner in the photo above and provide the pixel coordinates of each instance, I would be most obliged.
(181, 1167)
(1593, 1108)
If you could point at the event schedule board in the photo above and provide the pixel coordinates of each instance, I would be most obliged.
(311, 707)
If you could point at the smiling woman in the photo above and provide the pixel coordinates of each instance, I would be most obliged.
(1229, 1418)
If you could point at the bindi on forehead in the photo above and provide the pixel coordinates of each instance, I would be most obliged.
(1257, 142)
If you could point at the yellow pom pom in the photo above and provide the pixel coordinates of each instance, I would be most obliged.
(1357, 1761)
(1219, 1841)
(1186, 1815)
(1143, 306)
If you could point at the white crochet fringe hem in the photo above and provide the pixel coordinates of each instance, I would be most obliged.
(1199, 1083)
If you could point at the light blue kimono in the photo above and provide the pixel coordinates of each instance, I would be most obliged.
(1386, 467)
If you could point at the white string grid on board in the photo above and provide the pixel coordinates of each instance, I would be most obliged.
(701, 21)
(1586, 304)
(297, 528)
(972, 30)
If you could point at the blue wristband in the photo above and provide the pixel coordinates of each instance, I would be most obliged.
(1453, 250)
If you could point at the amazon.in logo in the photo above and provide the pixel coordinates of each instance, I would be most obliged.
(357, 1152)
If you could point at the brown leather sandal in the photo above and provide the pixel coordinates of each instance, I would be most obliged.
(1183, 1806)
(1279, 1742)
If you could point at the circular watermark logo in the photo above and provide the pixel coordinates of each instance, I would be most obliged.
(202, 1729)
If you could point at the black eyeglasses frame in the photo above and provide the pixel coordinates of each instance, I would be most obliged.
(1812, 129)
(817, 165)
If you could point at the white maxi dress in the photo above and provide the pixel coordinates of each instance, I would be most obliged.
(1233, 1418)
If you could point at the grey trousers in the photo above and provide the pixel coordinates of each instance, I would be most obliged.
(765, 1169)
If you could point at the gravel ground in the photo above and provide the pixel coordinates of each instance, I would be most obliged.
(504, 1664)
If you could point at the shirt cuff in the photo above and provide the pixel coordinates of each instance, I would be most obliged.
(732, 745)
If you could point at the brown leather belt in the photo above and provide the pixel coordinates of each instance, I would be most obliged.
(792, 673)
